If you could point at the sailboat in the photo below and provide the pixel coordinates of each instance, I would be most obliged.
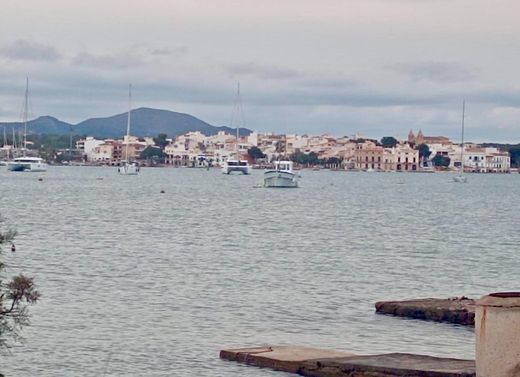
(237, 165)
(25, 163)
(460, 178)
(128, 168)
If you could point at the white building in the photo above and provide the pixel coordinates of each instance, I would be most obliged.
(87, 147)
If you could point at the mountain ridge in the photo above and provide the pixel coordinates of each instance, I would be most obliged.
(145, 121)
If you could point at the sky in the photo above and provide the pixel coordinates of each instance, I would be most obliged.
(341, 67)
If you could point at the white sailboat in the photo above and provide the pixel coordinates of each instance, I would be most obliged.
(25, 163)
(237, 165)
(128, 168)
(460, 178)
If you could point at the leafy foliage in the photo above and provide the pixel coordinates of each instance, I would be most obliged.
(388, 142)
(161, 141)
(440, 160)
(306, 159)
(152, 153)
(424, 151)
(15, 296)
(255, 153)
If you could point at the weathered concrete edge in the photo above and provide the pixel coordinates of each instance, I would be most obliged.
(347, 366)
(353, 366)
(255, 359)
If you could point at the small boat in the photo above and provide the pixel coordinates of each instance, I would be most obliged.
(461, 178)
(30, 164)
(281, 176)
(240, 166)
(128, 167)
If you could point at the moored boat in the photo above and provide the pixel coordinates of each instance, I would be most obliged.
(128, 167)
(30, 164)
(236, 164)
(281, 176)
(239, 166)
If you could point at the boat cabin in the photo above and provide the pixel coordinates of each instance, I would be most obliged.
(283, 165)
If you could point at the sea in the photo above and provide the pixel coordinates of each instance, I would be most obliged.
(152, 275)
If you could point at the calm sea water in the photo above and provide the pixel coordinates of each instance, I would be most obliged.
(141, 283)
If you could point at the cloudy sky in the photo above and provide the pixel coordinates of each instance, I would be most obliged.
(375, 67)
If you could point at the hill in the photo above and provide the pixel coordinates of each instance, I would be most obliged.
(145, 122)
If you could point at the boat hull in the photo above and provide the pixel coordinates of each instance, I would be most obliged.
(280, 179)
(236, 169)
(26, 167)
(460, 179)
(128, 169)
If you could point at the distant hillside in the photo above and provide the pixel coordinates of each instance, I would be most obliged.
(145, 122)
(42, 125)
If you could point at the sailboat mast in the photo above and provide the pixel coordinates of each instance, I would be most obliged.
(25, 115)
(462, 138)
(128, 120)
(238, 122)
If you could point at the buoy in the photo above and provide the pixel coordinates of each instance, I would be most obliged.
(13, 248)
(162, 191)
(40, 179)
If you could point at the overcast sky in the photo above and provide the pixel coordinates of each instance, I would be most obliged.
(375, 67)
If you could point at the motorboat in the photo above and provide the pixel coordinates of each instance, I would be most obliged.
(281, 176)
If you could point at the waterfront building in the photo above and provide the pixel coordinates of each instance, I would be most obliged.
(87, 146)
(402, 157)
(106, 152)
(369, 156)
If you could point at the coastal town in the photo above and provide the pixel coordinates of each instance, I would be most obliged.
(415, 153)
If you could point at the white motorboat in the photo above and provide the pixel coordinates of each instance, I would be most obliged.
(460, 178)
(128, 167)
(30, 164)
(281, 176)
(236, 166)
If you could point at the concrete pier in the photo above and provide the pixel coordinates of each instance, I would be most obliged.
(457, 310)
(314, 362)
(282, 358)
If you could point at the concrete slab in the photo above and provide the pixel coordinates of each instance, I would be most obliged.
(389, 365)
(282, 358)
(459, 311)
(314, 362)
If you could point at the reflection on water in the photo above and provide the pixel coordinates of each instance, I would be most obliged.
(139, 282)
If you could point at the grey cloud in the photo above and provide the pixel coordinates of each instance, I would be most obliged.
(318, 82)
(27, 50)
(434, 71)
(165, 51)
(502, 97)
(262, 71)
(109, 61)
